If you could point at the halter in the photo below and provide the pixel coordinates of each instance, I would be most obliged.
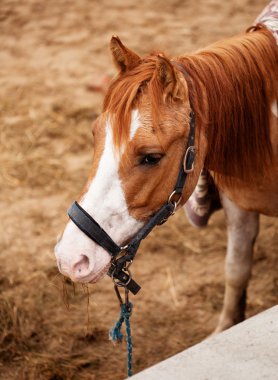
(122, 257)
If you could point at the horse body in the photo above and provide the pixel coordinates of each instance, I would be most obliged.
(140, 142)
(261, 197)
(242, 205)
(246, 187)
(253, 187)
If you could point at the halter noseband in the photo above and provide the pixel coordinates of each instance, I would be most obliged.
(122, 257)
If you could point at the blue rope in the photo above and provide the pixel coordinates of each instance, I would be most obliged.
(116, 336)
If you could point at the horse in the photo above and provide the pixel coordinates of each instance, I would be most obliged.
(141, 141)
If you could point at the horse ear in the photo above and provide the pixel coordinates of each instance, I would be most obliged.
(166, 75)
(124, 58)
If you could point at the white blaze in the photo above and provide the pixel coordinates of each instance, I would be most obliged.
(135, 124)
(105, 202)
(105, 199)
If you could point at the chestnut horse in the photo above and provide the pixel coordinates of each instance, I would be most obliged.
(140, 141)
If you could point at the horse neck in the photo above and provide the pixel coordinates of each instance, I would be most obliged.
(234, 83)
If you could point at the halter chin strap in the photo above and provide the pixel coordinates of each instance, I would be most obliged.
(122, 257)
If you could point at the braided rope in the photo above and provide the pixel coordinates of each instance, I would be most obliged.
(116, 336)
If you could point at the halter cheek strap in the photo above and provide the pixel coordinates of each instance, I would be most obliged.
(123, 256)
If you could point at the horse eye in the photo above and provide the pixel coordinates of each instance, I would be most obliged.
(151, 159)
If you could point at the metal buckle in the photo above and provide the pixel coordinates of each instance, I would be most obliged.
(123, 250)
(122, 253)
(190, 149)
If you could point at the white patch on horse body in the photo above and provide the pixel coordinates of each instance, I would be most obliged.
(105, 202)
(135, 124)
(274, 108)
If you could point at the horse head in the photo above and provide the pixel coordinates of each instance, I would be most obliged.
(140, 141)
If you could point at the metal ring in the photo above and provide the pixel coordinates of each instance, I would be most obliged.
(175, 203)
(119, 283)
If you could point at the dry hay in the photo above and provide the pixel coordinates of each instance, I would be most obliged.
(27, 336)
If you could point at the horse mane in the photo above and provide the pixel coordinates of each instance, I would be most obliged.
(236, 81)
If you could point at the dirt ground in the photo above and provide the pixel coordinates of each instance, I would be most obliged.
(50, 52)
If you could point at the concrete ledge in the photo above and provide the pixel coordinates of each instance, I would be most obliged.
(247, 351)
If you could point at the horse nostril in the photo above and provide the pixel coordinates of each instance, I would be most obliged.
(81, 268)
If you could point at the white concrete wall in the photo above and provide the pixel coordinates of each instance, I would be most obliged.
(247, 351)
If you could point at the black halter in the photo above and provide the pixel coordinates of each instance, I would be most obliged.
(122, 257)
